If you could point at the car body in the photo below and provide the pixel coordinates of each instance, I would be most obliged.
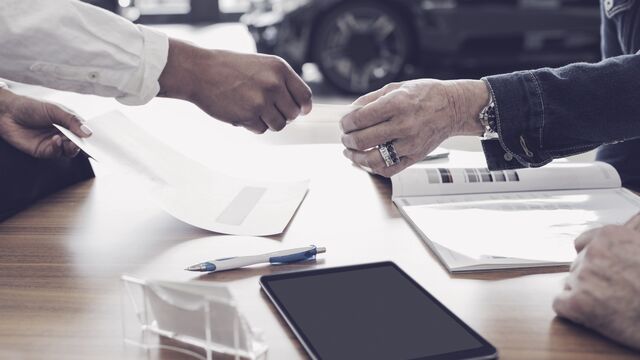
(175, 11)
(359, 45)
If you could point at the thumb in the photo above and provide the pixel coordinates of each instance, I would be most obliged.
(585, 239)
(68, 120)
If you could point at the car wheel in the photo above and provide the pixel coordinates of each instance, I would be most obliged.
(360, 47)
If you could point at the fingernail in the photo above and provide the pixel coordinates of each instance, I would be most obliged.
(345, 125)
(85, 129)
(306, 109)
(348, 141)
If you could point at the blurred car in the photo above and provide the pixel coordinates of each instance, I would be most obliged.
(175, 11)
(111, 5)
(360, 45)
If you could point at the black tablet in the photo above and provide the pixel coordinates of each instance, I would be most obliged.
(370, 311)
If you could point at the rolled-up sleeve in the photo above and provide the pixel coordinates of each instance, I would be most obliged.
(551, 113)
(69, 45)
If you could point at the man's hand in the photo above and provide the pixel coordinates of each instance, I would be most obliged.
(602, 291)
(258, 92)
(416, 115)
(26, 124)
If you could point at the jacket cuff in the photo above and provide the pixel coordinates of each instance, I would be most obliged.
(144, 85)
(519, 120)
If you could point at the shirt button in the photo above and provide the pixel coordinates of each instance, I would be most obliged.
(608, 4)
(36, 67)
(508, 156)
(94, 76)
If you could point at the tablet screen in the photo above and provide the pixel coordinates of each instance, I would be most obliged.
(372, 311)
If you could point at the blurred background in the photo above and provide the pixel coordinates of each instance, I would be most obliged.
(348, 47)
(344, 48)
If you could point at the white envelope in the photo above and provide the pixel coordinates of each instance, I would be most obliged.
(200, 196)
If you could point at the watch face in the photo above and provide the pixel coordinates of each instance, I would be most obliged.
(488, 120)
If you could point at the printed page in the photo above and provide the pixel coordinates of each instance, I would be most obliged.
(538, 226)
(188, 190)
(457, 262)
(440, 180)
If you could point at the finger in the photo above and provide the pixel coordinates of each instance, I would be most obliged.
(68, 120)
(372, 136)
(372, 160)
(584, 239)
(575, 265)
(273, 118)
(287, 106)
(375, 95)
(634, 222)
(50, 148)
(257, 126)
(566, 306)
(404, 163)
(299, 90)
(70, 149)
(371, 114)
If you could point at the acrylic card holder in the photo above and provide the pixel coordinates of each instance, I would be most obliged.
(196, 318)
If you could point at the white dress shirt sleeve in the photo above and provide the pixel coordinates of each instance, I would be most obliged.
(73, 46)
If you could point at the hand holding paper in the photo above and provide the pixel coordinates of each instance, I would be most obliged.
(26, 124)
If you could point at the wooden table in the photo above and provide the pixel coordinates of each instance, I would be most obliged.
(61, 260)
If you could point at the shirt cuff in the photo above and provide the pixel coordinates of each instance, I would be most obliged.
(519, 108)
(144, 85)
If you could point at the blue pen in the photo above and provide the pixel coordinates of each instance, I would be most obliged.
(277, 257)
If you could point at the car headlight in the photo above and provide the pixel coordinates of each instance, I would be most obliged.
(281, 6)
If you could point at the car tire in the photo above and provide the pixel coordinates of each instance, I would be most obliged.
(359, 47)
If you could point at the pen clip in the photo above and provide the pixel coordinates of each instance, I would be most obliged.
(297, 257)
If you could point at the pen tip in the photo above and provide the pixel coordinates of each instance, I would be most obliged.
(321, 250)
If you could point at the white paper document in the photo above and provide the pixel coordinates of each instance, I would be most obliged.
(327, 113)
(198, 195)
(476, 219)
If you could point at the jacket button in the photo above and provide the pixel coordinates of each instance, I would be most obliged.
(508, 156)
(608, 4)
(36, 67)
(93, 76)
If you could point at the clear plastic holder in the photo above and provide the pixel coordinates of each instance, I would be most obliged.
(197, 318)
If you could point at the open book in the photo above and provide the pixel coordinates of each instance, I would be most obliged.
(475, 219)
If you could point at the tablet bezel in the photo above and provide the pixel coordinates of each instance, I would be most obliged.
(486, 351)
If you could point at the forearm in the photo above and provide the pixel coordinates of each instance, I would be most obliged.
(551, 113)
(180, 73)
(69, 45)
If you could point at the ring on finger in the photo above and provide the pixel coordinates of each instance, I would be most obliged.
(388, 153)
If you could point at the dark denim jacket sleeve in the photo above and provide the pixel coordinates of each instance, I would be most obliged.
(550, 113)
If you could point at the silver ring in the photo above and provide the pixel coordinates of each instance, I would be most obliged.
(388, 153)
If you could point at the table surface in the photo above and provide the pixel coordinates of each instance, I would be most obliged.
(61, 261)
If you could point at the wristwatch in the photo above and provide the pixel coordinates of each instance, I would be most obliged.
(488, 118)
